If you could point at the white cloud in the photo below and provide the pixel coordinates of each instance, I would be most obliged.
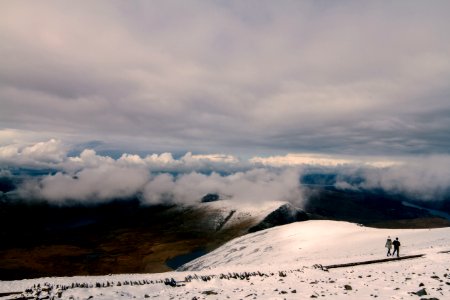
(157, 178)
(164, 159)
(51, 151)
(41, 154)
(186, 163)
(88, 158)
(9, 152)
(90, 185)
(257, 185)
(215, 158)
(298, 159)
(424, 178)
(90, 177)
(105, 182)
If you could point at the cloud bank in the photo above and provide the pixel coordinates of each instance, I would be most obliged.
(160, 178)
(156, 178)
(424, 178)
(109, 182)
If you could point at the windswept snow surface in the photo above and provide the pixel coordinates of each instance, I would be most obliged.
(313, 242)
(279, 263)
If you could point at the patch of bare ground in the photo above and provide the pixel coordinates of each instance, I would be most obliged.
(140, 240)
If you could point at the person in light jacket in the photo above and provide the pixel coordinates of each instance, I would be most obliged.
(388, 246)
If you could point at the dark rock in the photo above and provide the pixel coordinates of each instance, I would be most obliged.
(421, 292)
(171, 282)
(210, 198)
(285, 214)
(421, 284)
(348, 287)
(209, 293)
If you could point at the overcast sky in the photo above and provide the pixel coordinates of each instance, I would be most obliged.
(240, 77)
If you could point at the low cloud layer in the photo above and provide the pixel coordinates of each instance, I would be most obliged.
(109, 182)
(156, 178)
(253, 186)
(90, 185)
(425, 178)
(160, 178)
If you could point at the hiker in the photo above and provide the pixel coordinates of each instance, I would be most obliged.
(388, 245)
(396, 244)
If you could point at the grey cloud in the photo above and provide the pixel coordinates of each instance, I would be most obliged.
(229, 76)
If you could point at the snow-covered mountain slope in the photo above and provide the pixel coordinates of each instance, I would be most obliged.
(280, 263)
(228, 213)
(311, 242)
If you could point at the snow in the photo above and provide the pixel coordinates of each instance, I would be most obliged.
(280, 263)
(234, 212)
(310, 242)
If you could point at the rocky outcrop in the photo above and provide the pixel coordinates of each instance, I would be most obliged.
(210, 198)
(285, 214)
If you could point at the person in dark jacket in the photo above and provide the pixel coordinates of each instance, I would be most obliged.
(396, 244)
